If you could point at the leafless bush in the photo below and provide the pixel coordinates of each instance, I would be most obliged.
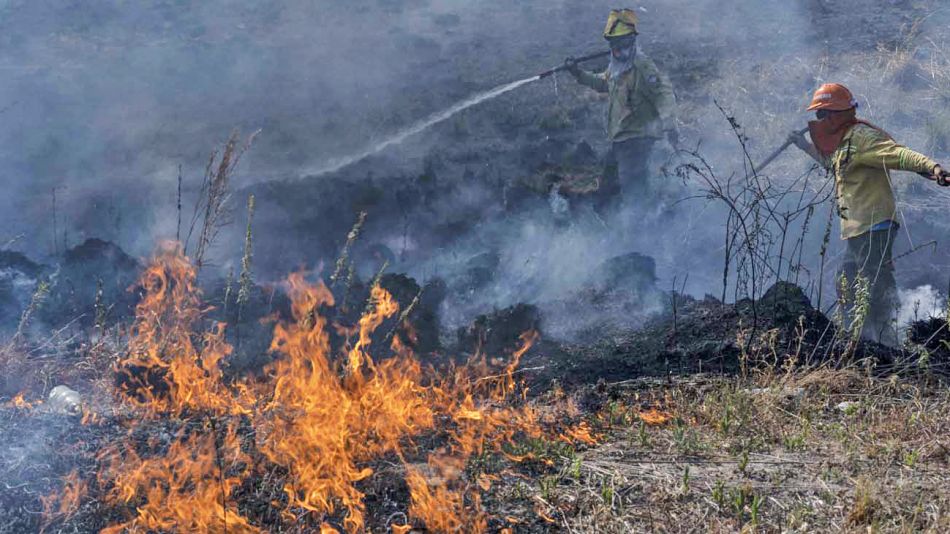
(760, 248)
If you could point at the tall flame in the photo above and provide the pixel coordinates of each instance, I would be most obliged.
(316, 421)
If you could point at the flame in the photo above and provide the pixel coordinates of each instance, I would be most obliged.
(654, 416)
(186, 489)
(321, 426)
(89, 417)
(64, 504)
(19, 401)
(163, 344)
(580, 433)
(316, 421)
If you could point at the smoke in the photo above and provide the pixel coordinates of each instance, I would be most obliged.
(919, 304)
(99, 105)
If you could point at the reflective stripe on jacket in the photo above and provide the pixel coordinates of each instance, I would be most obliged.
(641, 102)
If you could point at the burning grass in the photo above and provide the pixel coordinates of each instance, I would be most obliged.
(341, 432)
(305, 444)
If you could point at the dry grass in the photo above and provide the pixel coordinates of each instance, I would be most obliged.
(818, 451)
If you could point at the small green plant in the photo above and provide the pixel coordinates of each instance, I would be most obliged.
(797, 440)
(343, 260)
(228, 289)
(923, 361)
(39, 296)
(614, 413)
(548, 486)
(844, 290)
(737, 501)
(575, 470)
(607, 492)
(726, 420)
(521, 490)
(540, 449)
(911, 457)
(643, 435)
(719, 494)
(482, 462)
(684, 488)
(684, 437)
(743, 463)
(245, 281)
(860, 310)
(754, 507)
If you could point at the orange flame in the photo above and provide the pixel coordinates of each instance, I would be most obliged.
(317, 418)
(19, 401)
(64, 504)
(580, 433)
(162, 343)
(654, 416)
(186, 489)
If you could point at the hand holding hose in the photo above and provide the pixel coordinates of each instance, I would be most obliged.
(570, 65)
(940, 176)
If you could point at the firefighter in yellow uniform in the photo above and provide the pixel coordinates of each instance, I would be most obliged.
(861, 157)
(640, 109)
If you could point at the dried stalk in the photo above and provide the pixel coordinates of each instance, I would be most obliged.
(344, 258)
(212, 203)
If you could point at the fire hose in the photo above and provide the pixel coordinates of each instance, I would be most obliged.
(778, 152)
(943, 179)
(579, 60)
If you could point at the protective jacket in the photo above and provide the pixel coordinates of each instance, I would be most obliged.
(641, 100)
(861, 167)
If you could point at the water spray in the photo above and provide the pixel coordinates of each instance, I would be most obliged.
(426, 123)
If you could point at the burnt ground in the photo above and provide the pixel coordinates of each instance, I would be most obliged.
(765, 423)
(706, 412)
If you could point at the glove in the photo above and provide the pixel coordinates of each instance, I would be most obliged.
(798, 139)
(940, 176)
(570, 64)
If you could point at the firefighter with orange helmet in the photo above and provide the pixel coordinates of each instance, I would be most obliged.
(861, 158)
(640, 109)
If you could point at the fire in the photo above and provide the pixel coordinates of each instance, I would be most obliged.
(65, 503)
(90, 417)
(186, 489)
(19, 401)
(163, 352)
(317, 421)
(580, 433)
(322, 422)
(654, 416)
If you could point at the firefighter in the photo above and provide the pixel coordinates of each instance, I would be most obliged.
(861, 157)
(640, 109)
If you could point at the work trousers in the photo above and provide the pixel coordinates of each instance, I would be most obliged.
(870, 256)
(632, 158)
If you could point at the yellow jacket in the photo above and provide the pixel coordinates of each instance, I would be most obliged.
(641, 101)
(861, 166)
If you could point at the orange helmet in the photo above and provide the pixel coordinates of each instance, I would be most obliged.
(833, 97)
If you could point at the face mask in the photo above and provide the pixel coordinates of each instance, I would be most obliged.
(621, 57)
(827, 133)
